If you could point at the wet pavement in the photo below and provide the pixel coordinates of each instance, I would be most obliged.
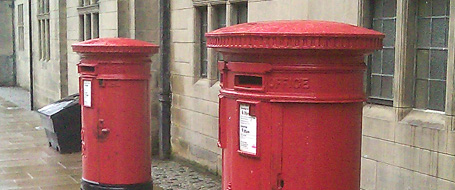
(182, 176)
(27, 162)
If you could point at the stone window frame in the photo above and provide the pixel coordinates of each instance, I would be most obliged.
(89, 19)
(44, 30)
(20, 27)
(212, 8)
(405, 57)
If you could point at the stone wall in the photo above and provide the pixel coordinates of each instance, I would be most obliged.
(108, 27)
(49, 74)
(417, 152)
(22, 55)
(7, 71)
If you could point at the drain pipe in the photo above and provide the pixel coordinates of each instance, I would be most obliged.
(13, 9)
(32, 106)
(165, 94)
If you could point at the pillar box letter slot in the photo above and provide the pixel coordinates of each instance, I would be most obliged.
(248, 82)
(286, 135)
(87, 69)
(114, 81)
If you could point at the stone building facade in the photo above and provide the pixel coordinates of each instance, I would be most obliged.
(7, 70)
(408, 125)
(22, 50)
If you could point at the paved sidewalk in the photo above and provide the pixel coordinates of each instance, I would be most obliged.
(16, 95)
(27, 163)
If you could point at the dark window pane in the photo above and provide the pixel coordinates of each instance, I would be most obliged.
(388, 65)
(203, 47)
(221, 16)
(81, 28)
(378, 8)
(204, 69)
(221, 22)
(383, 62)
(375, 86)
(377, 25)
(387, 86)
(423, 32)
(440, 7)
(390, 8)
(96, 25)
(431, 60)
(437, 95)
(88, 27)
(424, 8)
(242, 12)
(376, 62)
(439, 32)
(204, 51)
(438, 64)
(422, 64)
(421, 94)
(389, 31)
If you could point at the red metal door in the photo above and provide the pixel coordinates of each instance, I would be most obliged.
(89, 94)
(308, 137)
(257, 168)
(125, 143)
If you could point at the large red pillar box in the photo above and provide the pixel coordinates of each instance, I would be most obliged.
(115, 100)
(291, 104)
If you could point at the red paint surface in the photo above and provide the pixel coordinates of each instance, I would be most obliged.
(308, 106)
(116, 128)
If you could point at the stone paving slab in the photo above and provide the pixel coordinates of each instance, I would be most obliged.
(181, 176)
(17, 95)
(27, 163)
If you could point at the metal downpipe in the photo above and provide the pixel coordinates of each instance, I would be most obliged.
(165, 94)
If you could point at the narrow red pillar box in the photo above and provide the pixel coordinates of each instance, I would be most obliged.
(115, 100)
(291, 104)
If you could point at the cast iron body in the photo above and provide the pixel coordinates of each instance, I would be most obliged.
(297, 87)
(115, 100)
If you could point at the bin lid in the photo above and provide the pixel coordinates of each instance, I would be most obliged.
(60, 105)
(295, 34)
(115, 45)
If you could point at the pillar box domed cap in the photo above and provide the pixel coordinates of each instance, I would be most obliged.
(115, 45)
(295, 35)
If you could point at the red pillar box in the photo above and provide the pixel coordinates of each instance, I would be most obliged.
(115, 100)
(291, 104)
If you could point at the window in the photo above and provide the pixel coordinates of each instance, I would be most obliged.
(431, 66)
(44, 30)
(212, 15)
(88, 19)
(241, 13)
(220, 14)
(203, 41)
(382, 62)
(20, 26)
(415, 58)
